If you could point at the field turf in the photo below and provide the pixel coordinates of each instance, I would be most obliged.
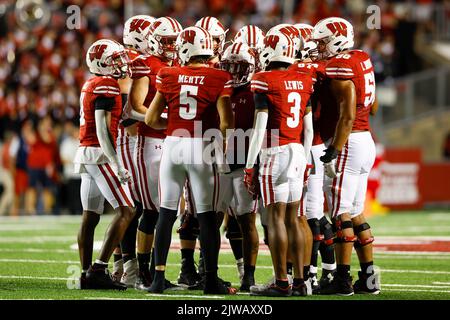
(38, 260)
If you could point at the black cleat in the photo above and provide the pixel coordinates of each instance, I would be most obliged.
(300, 291)
(157, 287)
(324, 282)
(338, 286)
(101, 279)
(247, 282)
(188, 276)
(143, 281)
(314, 283)
(271, 290)
(218, 287)
(367, 284)
(172, 287)
(200, 285)
(83, 282)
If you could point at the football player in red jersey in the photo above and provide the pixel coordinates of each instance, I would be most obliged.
(281, 100)
(190, 92)
(102, 174)
(125, 263)
(350, 152)
(239, 61)
(312, 197)
(233, 232)
(161, 49)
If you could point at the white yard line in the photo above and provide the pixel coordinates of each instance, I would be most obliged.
(33, 278)
(418, 290)
(37, 239)
(413, 286)
(221, 266)
(110, 298)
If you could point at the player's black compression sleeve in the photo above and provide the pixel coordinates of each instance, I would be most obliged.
(104, 103)
(261, 101)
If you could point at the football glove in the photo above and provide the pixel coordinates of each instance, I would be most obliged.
(251, 181)
(121, 173)
(329, 162)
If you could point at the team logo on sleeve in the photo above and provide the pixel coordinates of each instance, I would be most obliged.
(271, 41)
(97, 52)
(338, 28)
(139, 25)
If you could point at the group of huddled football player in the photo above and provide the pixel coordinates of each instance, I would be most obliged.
(303, 95)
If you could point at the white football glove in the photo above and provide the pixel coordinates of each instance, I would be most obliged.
(331, 170)
(121, 173)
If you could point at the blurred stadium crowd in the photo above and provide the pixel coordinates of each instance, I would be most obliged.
(42, 70)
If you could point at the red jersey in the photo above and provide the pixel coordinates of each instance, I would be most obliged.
(317, 72)
(191, 94)
(244, 113)
(148, 66)
(98, 86)
(355, 65)
(288, 92)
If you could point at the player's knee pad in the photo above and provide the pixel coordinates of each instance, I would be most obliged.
(148, 222)
(363, 238)
(327, 230)
(233, 229)
(341, 227)
(189, 228)
(314, 225)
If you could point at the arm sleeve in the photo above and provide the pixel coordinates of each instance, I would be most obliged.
(308, 134)
(257, 138)
(103, 136)
(104, 103)
(261, 101)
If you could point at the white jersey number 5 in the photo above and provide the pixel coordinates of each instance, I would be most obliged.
(296, 98)
(188, 104)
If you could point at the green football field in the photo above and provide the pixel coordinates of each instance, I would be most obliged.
(39, 260)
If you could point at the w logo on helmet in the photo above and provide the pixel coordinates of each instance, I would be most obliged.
(338, 28)
(97, 52)
(155, 25)
(306, 33)
(271, 41)
(189, 36)
(139, 25)
(290, 31)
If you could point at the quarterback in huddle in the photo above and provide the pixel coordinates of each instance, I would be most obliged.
(181, 124)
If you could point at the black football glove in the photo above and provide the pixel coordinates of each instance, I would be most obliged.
(330, 154)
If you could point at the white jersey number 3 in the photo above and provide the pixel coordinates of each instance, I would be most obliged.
(296, 98)
(188, 104)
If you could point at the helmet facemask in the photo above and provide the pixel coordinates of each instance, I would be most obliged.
(241, 71)
(119, 64)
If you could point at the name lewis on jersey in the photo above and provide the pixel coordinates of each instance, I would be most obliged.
(293, 85)
(191, 79)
